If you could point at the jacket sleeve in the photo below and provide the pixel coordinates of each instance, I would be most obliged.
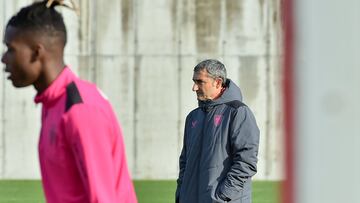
(244, 144)
(182, 165)
(91, 137)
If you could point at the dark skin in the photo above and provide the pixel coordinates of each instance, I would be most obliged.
(32, 58)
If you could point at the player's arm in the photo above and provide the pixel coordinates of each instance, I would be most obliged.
(88, 132)
(244, 140)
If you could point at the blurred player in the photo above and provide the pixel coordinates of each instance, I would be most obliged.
(81, 148)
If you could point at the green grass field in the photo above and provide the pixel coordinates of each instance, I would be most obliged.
(29, 191)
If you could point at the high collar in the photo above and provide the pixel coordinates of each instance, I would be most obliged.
(56, 88)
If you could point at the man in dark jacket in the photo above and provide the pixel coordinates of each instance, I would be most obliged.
(221, 141)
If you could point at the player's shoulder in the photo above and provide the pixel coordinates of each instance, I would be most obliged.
(84, 93)
(73, 96)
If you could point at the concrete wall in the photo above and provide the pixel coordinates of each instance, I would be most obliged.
(141, 54)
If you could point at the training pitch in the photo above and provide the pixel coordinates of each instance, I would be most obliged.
(29, 191)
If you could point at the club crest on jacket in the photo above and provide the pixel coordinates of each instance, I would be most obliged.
(217, 120)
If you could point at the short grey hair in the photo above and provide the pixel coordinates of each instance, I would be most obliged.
(214, 68)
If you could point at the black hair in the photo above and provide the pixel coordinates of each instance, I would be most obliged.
(40, 18)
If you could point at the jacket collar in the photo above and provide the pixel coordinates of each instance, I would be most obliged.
(231, 93)
(57, 88)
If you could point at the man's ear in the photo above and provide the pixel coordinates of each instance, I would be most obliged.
(38, 52)
(218, 82)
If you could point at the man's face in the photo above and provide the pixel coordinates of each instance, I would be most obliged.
(19, 58)
(206, 88)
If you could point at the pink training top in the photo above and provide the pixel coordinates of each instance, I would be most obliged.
(81, 147)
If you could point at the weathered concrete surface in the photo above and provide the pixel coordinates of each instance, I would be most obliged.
(141, 54)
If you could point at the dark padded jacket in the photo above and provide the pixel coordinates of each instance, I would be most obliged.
(219, 155)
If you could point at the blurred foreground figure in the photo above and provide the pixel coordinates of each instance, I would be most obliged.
(81, 148)
(221, 141)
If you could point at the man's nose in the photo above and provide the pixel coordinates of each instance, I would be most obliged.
(195, 87)
(3, 58)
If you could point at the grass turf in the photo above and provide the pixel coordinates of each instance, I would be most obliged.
(30, 191)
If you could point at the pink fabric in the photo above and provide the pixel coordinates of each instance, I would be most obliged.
(82, 153)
